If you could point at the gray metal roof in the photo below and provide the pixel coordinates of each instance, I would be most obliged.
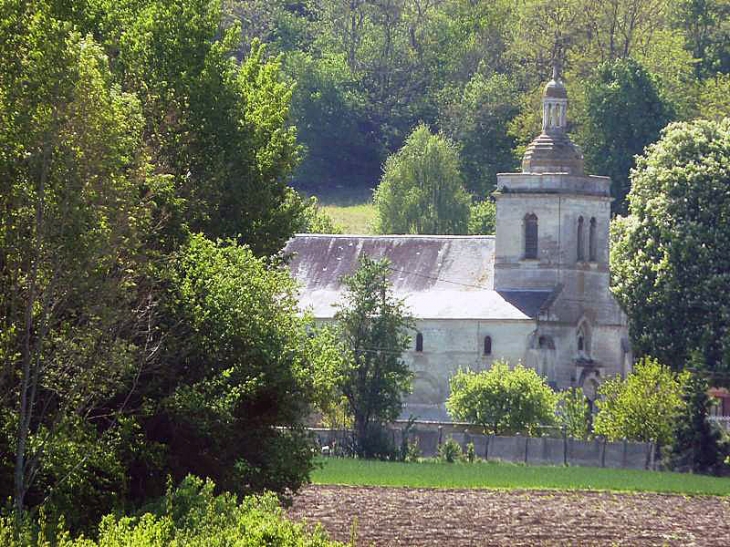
(439, 277)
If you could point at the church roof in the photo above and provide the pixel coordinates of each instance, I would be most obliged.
(439, 277)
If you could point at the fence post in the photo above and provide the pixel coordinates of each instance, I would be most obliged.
(603, 453)
(565, 444)
(527, 444)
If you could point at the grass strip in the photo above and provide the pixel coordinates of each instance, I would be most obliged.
(508, 476)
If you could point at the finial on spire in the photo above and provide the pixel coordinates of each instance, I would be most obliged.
(556, 69)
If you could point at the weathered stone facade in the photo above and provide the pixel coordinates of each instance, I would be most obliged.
(536, 293)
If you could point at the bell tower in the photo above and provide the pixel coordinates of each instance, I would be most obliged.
(552, 218)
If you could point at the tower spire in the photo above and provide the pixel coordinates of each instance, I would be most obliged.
(552, 151)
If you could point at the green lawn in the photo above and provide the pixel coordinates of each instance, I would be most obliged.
(351, 207)
(510, 476)
(354, 219)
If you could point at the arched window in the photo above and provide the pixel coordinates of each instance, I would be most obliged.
(419, 342)
(581, 241)
(583, 339)
(487, 345)
(592, 241)
(530, 236)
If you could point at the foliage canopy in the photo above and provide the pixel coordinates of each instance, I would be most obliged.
(373, 328)
(671, 256)
(421, 191)
(502, 400)
(643, 406)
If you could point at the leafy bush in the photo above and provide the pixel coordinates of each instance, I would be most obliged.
(190, 515)
(471, 453)
(413, 451)
(574, 413)
(643, 406)
(482, 218)
(450, 451)
(501, 399)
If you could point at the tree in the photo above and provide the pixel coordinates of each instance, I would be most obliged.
(573, 413)
(642, 407)
(234, 380)
(483, 218)
(73, 223)
(623, 114)
(421, 191)
(477, 117)
(372, 325)
(704, 27)
(696, 442)
(670, 257)
(502, 400)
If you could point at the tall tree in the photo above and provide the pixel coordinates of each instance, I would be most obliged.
(373, 326)
(696, 442)
(71, 172)
(477, 117)
(670, 256)
(421, 191)
(232, 386)
(623, 114)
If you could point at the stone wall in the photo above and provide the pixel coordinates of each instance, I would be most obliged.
(544, 450)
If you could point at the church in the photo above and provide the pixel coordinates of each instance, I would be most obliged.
(536, 293)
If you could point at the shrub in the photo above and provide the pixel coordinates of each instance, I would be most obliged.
(501, 399)
(471, 453)
(413, 451)
(190, 515)
(450, 451)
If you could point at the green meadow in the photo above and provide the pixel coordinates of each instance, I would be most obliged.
(347, 471)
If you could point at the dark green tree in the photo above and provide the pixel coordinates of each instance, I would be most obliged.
(704, 25)
(234, 381)
(373, 328)
(477, 118)
(624, 113)
(670, 257)
(695, 442)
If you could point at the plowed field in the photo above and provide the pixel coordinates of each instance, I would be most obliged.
(439, 517)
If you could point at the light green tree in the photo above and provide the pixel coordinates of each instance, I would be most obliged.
(643, 406)
(502, 400)
(670, 257)
(483, 218)
(421, 191)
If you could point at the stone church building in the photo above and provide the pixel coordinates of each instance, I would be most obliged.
(537, 292)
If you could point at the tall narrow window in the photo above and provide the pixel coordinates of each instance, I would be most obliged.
(592, 241)
(581, 241)
(419, 342)
(487, 345)
(530, 236)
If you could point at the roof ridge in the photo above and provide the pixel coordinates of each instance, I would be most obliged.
(395, 236)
